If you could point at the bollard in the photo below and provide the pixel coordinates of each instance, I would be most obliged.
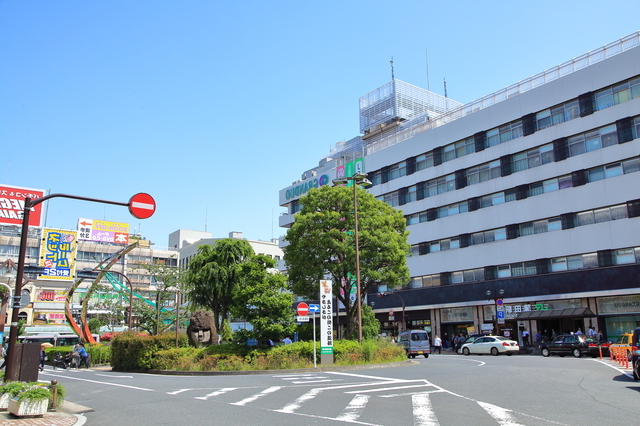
(54, 395)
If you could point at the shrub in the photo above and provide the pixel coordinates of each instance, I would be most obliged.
(135, 352)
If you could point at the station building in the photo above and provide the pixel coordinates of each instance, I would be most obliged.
(523, 207)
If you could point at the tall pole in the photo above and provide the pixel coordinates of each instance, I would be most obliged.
(13, 366)
(358, 302)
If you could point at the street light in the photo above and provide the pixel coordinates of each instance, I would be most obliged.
(387, 293)
(357, 179)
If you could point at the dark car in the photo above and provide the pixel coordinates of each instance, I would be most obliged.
(597, 348)
(566, 344)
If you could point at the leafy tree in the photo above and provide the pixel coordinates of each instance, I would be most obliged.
(151, 320)
(263, 300)
(226, 334)
(370, 324)
(322, 244)
(94, 325)
(168, 280)
(215, 274)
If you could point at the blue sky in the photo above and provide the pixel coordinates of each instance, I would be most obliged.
(213, 107)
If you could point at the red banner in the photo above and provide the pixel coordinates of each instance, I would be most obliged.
(12, 205)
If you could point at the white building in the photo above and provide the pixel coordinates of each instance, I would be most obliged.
(187, 243)
(528, 196)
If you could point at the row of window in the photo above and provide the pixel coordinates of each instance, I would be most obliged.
(631, 165)
(557, 264)
(576, 145)
(604, 98)
(568, 221)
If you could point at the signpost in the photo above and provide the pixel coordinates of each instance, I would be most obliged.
(326, 324)
(141, 205)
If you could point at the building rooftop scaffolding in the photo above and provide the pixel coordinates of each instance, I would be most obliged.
(420, 123)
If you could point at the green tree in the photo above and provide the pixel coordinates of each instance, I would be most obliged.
(168, 281)
(215, 274)
(370, 324)
(263, 300)
(322, 244)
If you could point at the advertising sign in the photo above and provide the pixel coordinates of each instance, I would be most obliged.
(326, 318)
(103, 231)
(58, 254)
(12, 205)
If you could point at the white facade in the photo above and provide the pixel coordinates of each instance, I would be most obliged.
(531, 190)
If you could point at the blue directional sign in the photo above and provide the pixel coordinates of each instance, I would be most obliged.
(314, 308)
(500, 314)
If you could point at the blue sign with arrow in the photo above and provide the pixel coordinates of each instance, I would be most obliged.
(314, 308)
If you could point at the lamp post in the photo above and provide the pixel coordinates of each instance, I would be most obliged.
(387, 293)
(357, 179)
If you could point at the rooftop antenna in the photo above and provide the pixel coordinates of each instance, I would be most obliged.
(426, 55)
(392, 74)
(445, 87)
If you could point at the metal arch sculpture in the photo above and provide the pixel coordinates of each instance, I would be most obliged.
(85, 333)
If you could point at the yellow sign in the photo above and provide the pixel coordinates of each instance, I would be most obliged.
(58, 254)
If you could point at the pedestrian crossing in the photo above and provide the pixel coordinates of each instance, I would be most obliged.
(377, 402)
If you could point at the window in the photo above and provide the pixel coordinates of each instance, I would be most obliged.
(558, 264)
(411, 194)
(376, 177)
(624, 256)
(423, 161)
(457, 277)
(631, 166)
(483, 172)
(503, 271)
(413, 219)
(392, 199)
(449, 152)
(398, 170)
(543, 119)
(493, 137)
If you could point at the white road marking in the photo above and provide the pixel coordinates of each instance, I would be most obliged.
(256, 396)
(115, 377)
(501, 415)
(216, 393)
(390, 388)
(103, 383)
(354, 409)
(290, 408)
(423, 414)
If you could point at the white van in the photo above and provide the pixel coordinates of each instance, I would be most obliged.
(415, 342)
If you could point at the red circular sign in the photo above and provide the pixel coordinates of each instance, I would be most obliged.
(142, 205)
(303, 309)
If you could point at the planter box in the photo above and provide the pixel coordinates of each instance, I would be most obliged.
(4, 401)
(28, 407)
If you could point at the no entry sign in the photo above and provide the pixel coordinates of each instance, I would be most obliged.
(302, 309)
(142, 205)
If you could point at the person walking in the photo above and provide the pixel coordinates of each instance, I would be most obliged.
(437, 344)
(525, 337)
(84, 356)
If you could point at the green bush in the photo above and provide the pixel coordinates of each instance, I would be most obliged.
(131, 351)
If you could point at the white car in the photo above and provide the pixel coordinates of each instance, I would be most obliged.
(494, 345)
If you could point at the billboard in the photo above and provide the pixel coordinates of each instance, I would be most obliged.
(12, 205)
(103, 231)
(58, 254)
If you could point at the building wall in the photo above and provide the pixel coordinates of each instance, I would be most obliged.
(474, 300)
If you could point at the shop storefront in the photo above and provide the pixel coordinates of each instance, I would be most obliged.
(455, 321)
(619, 314)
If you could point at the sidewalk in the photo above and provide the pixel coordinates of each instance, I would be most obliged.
(65, 417)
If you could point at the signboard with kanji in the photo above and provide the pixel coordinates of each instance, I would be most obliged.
(103, 231)
(326, 318)
(58, 254)
(12, 205)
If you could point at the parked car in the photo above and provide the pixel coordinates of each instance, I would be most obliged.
(624, 341)
(595, 347)
(567, 344)
(494, 345)
(470, 339)
(415, 342)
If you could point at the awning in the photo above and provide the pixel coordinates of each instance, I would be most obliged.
(556, 313)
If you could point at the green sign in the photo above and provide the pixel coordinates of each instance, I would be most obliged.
(326, 350)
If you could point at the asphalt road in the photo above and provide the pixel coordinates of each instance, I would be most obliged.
(441, 390)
